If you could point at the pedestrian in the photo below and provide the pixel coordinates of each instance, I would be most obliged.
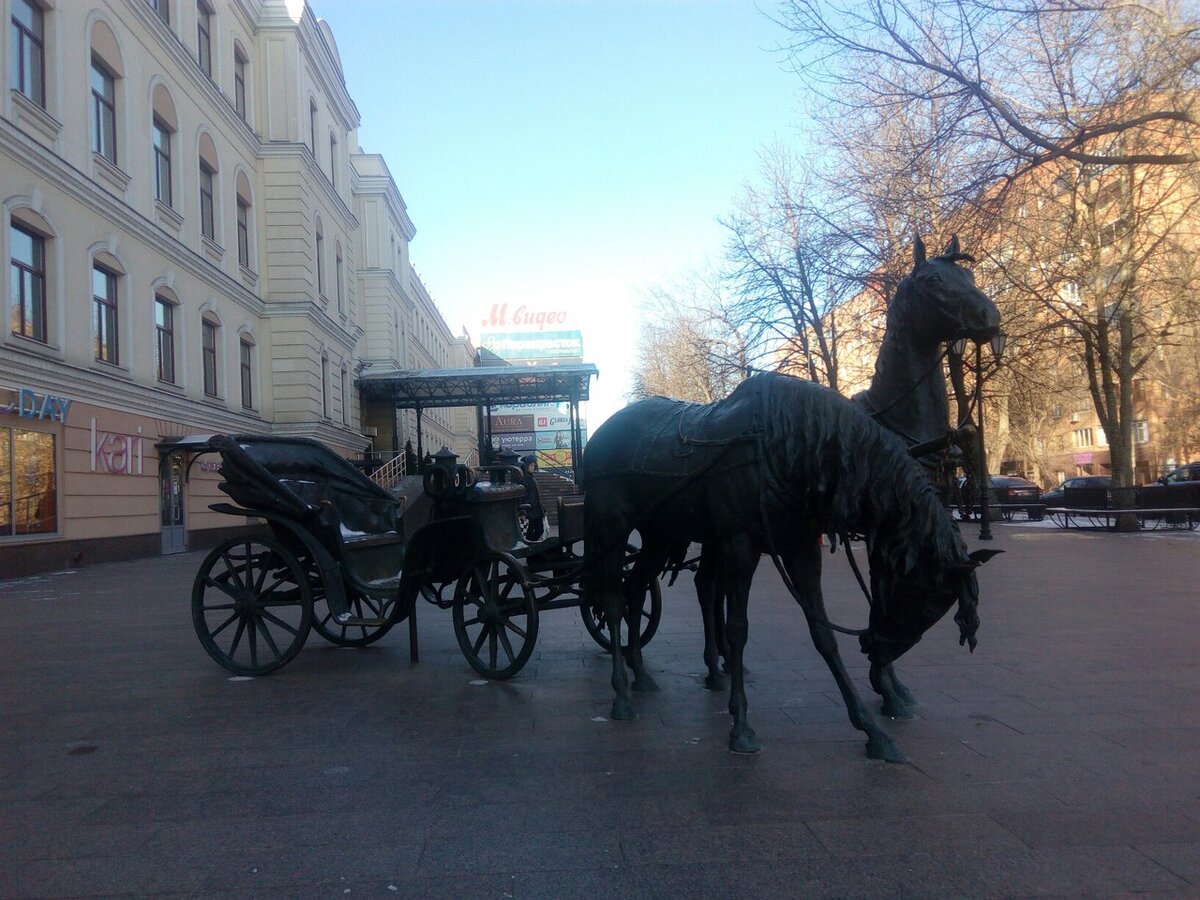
(534, 513)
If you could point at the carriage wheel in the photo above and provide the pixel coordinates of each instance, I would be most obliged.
(363, 607)
(251, 605)
(495, 616)
(595, 620)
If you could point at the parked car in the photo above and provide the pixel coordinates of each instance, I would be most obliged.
(1007, 495)
(1055, 497)
(1182, 475)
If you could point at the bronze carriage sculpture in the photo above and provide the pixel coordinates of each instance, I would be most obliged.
(339, 557)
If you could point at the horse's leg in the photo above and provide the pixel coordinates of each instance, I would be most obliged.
(607, 579)
(738, 561)
(803, 565)
(649, 563)
(711, 596)
(897, 698)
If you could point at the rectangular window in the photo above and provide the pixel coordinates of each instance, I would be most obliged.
(204, 37)
(1083, 437)
(247, 372)
(104, 112)
(338, 273)
(28, 483)
(164, 344)
(163, 9)
(207, 220)
(162, 163)
(27, 284)
(333, 160)
(27, 54)
(312, 129)
(104, 315)
(239, 85)
(1141, 431)
(243, 232)
(209, 352)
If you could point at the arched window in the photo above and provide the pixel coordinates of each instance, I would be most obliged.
(208, 187)
(106, 71)
(325, 385)
(244, 219)
(339, 274)
(345, 389)
(165, 124)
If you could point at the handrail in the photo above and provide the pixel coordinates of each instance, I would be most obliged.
(390, 473)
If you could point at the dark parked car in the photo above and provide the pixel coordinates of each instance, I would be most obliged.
(1010, 494)
(1182, 475)
(1054, 496)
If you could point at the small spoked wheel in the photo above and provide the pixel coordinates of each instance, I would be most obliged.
(595, 619)
(361, 607)
(495, 616)
(252, 605)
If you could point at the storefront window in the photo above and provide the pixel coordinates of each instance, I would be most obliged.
(28, 483)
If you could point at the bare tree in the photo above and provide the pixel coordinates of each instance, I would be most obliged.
(688, 348)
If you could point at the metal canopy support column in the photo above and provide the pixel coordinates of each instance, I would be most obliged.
(420, 444)
(576, 438)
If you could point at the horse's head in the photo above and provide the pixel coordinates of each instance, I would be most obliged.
(904, 608)
(941, 300)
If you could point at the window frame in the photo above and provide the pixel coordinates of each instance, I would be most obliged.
(31, 275)
(24, 37)
(239, 83)
(325, 385)
(164, 339)
(243, 231)
(246, 371)
(208, 356)
(103, 111)
(9, 519)
(162, 161)
(208, 206)
(106, 340)
(204, 17)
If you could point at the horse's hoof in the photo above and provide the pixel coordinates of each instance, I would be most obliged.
(905, 694)
(896, 710)
(644, 684)
(622, 711)
(714, 683)
(883, 747)
(745, 742)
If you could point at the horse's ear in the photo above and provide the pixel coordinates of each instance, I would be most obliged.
(918, 251)
(979, 557)
(951, 248)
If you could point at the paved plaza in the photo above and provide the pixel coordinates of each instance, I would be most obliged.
(1062, 758)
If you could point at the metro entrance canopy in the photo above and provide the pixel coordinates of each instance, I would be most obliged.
(483, 387)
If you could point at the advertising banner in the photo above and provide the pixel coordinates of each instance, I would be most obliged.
(554, 459)
(512, 423)
(518, 442)
(533, 345)
(553, 440)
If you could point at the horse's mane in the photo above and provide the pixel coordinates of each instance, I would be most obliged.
(856, 474)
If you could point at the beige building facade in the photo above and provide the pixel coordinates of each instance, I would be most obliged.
(196, 244)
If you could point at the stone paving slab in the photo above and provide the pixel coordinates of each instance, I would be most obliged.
(1060, 759)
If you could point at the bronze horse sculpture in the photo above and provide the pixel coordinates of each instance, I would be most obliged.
(769, 470)
(936, 304)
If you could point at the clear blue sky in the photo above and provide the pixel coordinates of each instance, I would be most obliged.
(567, 154)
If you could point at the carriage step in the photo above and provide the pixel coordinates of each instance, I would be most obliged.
(351, 619)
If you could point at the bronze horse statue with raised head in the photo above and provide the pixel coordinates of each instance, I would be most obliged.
(935, 304)
(769, 470)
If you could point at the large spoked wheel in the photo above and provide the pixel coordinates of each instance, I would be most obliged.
(595, 619)
(495, 617)
(251, 605)
(362, 607)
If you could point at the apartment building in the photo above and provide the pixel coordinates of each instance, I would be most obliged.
(197, 244)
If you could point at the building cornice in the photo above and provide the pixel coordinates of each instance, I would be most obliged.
(293, 150)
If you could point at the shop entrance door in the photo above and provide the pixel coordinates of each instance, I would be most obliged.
(170, 501)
